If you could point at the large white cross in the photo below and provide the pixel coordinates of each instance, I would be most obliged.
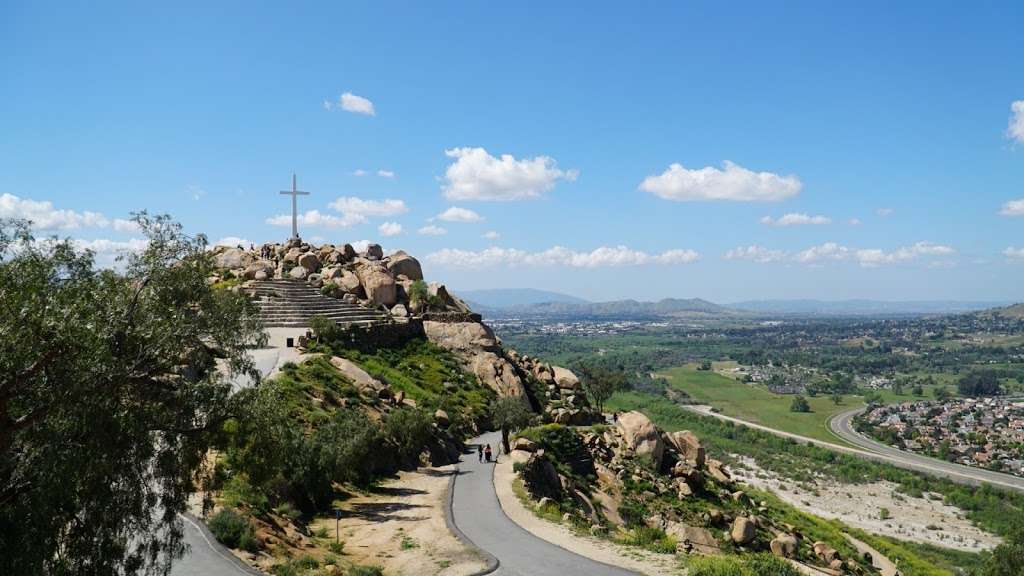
(295, 193)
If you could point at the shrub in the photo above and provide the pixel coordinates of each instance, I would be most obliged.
(337, 547)
(408, 429)
(366, 571)
(232, 530)
(799, 404)
(652, 539)
(764, 564)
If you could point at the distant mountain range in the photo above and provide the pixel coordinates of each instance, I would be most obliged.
(509, 297)
(533, 302)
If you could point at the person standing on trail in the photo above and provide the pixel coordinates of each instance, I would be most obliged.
(480, 451)
(487, 453)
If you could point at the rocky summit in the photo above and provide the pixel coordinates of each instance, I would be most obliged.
(294, 281)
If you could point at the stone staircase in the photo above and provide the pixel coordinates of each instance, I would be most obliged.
(291, 303)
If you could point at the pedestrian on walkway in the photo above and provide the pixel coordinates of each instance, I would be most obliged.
(480, 451)
(487, 453)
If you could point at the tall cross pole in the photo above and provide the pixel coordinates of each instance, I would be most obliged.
(295, 193)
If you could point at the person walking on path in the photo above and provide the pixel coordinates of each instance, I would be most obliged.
(480, 451)
(487, 453)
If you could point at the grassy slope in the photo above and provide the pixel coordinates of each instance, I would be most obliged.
(756, 404)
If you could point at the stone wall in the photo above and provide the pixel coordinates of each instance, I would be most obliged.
(390, 335)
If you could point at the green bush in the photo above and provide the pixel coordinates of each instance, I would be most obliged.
(365, 571)
(337, 547)
(232, 530)
(652, 539)
(408, 429)
(763, 564)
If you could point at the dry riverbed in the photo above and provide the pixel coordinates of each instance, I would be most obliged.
(876, 508)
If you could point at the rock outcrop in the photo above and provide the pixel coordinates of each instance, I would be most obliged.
(641, 436)
(370, 278)
(664, 481)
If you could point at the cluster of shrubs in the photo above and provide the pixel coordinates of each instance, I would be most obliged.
(271, 458)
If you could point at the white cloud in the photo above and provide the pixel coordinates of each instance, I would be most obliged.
(105, 246)
(45, 217)
(328, 105)
(359, 172)
(431, 230)
(313, 218)
(1013, 208)
(456, 214)
(360, 245)
(195, 192)
(734, 183)
(122, 225)
(795, 219)
(832, 251)
(873, 257)
(350, 205)
(854, 221)
(476, 175)
(884, 212)
(491, 235)
(755, 253)
(390, 229)
(233, 241)
(349, 102)
(826, 251)
(604, 256)
(1014, 253)
(385, 173)
(1015, 131)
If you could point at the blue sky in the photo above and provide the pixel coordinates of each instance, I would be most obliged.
(556, 127)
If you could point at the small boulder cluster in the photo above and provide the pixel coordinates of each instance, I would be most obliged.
(369, 278)
(563, 399)
(675, 467)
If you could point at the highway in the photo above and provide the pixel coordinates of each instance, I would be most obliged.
(841, 425)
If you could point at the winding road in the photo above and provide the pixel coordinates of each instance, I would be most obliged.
(842, 426)
(478, 516)
(206, 556)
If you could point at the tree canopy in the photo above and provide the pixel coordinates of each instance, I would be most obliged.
(110, 396)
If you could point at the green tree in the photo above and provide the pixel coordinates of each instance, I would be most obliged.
(942, 394)
(799, 404)
(408, 429)
(917, 390)
(110, 397)
(510, 414)
(600, 383)
(1008, 557)
(837, 398)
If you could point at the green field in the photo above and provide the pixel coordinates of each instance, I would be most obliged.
(755, 404)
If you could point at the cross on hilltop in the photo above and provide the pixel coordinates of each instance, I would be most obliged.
(295, 193)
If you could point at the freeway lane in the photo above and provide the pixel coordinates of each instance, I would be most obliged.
(869, 449)
(842, 425)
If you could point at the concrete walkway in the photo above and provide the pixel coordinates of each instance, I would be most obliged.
(478, 515)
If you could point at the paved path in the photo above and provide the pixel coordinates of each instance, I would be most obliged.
(478, 515)
(840, 425)
(206, 556)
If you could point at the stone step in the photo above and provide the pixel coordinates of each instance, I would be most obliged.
(291, 303)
